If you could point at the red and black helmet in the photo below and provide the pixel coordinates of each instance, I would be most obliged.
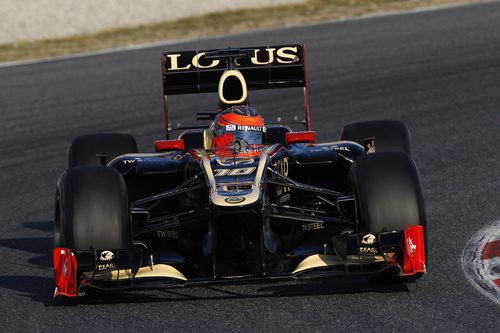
(241, 123)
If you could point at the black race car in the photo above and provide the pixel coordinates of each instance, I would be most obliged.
(238, 199)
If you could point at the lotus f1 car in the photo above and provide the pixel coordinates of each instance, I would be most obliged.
(238, 199)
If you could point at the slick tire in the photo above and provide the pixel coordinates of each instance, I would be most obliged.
(84, 149)
(388, 197)
(387, 191)
(91, 210)
(390, 135)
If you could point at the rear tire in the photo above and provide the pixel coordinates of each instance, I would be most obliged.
(390, 135)
(92, 210)
(83, 149)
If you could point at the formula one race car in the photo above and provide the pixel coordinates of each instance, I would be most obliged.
(239, 199)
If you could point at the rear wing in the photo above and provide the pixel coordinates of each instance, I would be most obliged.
(263, 67)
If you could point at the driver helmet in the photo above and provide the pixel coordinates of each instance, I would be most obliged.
(238, 124)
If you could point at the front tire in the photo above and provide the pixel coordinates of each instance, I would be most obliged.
(387, 191)
(92, 210)
(390, 135)
(388, 197)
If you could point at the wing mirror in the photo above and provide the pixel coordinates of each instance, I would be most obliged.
(301, 137)
(166, 145)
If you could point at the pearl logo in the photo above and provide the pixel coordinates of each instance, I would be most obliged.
(106, 256)
(368, 239)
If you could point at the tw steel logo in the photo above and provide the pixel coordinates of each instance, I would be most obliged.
(283, 55)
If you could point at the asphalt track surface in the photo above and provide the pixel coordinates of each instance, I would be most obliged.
(438, 71)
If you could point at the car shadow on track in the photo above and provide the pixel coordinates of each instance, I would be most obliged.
(39, 289)
(47, 226)
(39, 247)
(330, 287)
(29, 262)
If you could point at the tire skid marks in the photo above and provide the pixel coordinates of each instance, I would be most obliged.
(481, 261)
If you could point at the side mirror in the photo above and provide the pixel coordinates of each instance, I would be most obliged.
(166, 145)
(301, 137)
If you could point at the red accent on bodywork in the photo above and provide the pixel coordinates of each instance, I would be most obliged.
(296, 137)
(65, 267)
(275, 150)
(194, 154)
(165, 145)
(414, 250)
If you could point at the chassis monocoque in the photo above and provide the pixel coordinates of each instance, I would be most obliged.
(186, 215)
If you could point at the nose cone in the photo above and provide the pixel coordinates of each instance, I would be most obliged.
(235, 198)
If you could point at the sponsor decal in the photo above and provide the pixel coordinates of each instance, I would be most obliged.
(105, 261)
(167, 234)
(250, 128)
(329, 148)
(283, 55)
(234, 200)
(230, 127)
(368, 249)
(234, 172)
(282, 166)
(317, 149)
(411, 247)
(368, 239)
(106, 256)
(103, 267)
(313, 226)
(283, 192)
(128, 161)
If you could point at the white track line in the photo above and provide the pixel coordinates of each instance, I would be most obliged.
(180, 41)
(482, 272)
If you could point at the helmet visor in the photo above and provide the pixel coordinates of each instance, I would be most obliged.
(250, 137)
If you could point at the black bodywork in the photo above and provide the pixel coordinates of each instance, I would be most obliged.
(306, 208)
(296, 215)
(288, 212)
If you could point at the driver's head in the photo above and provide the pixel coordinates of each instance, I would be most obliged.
(238, 124)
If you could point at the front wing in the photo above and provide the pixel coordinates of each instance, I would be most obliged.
(400, 253)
